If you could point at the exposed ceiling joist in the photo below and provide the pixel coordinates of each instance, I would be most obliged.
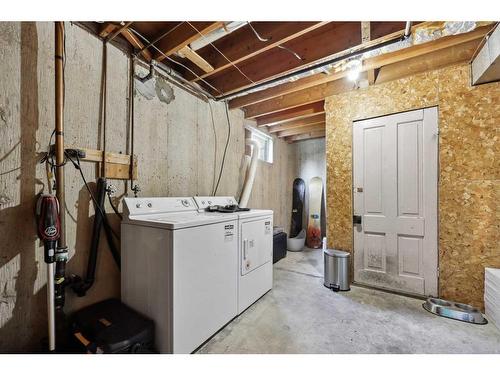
(182, 36)
(302, 130)
(312, 120)
(318, 93)
(292, 114)
(303, 137)
(324, 41)
(432, 60)
(368, 64)
(109, 28)
(196, 59)
(132, 39)
(248, 46)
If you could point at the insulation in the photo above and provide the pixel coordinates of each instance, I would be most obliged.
(469, 168)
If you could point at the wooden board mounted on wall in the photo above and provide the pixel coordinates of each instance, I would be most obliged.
(118, 166)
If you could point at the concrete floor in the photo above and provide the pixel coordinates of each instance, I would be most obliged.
(299, 315)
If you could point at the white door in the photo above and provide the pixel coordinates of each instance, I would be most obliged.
(256, 242)
(395, 162)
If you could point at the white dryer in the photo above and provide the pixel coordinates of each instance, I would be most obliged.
(179, 267)
(255, 249)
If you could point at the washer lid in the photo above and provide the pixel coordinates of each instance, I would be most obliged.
(181, 220)
(337, 253)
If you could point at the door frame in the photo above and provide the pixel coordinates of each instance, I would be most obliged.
(438, 169)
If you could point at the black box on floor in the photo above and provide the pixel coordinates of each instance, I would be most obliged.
(112, 327)
(279, 246)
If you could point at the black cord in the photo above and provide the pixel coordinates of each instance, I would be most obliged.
(96, 205)
(114, 208)
(225, 149)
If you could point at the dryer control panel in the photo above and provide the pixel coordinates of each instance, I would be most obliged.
(133, 207)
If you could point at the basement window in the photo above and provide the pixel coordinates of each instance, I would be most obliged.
(265, 142)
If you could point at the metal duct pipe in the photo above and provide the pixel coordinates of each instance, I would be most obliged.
(407, 29)
(250, 175)
(289, 76)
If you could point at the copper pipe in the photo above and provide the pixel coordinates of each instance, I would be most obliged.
(59, 127)
(104, 79)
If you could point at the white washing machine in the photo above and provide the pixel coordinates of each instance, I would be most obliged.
(179, 267)
(255, 249)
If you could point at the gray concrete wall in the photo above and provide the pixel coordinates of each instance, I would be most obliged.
(310, 160)
(174, 142)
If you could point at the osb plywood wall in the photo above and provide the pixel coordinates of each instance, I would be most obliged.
(174, 143)
(469, 122)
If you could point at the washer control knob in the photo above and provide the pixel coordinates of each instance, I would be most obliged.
(150, 204)
(185, 203)
(138, 205)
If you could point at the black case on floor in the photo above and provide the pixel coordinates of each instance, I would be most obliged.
(112, 327)
(279, 246)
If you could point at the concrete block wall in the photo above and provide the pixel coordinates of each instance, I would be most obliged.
(174, 142)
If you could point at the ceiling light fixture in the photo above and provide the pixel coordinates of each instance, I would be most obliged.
(353, 69)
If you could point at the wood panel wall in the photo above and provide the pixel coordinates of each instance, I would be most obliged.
(469, 170)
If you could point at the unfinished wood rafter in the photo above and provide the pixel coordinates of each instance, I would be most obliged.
(129, 36)
(369, 64)
(196, 59)
(313, 120)
(334, 37)
(296, 99)
(183, 35)
(302, 130)
(303, 137)
(431, 60)
(107, 29)
(249, 46)
(297, 113)
(137, 44)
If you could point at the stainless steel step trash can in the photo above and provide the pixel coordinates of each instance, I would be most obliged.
(336, 269)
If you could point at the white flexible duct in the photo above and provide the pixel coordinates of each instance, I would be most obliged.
(250, 175)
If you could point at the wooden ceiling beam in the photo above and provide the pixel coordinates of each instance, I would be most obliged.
(312, 120)
(242, 44)
(137, 44)
(196, 59)
(109, 28)
(431, 61)
(368, 64)
(292, 114)
(302, 130)
(299, 98)
(334, 37)
(303, 137)
(182, 35)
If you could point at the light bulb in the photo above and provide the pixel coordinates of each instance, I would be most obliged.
(354, 68)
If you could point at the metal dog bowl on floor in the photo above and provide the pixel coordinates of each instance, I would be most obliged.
(454, 310)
